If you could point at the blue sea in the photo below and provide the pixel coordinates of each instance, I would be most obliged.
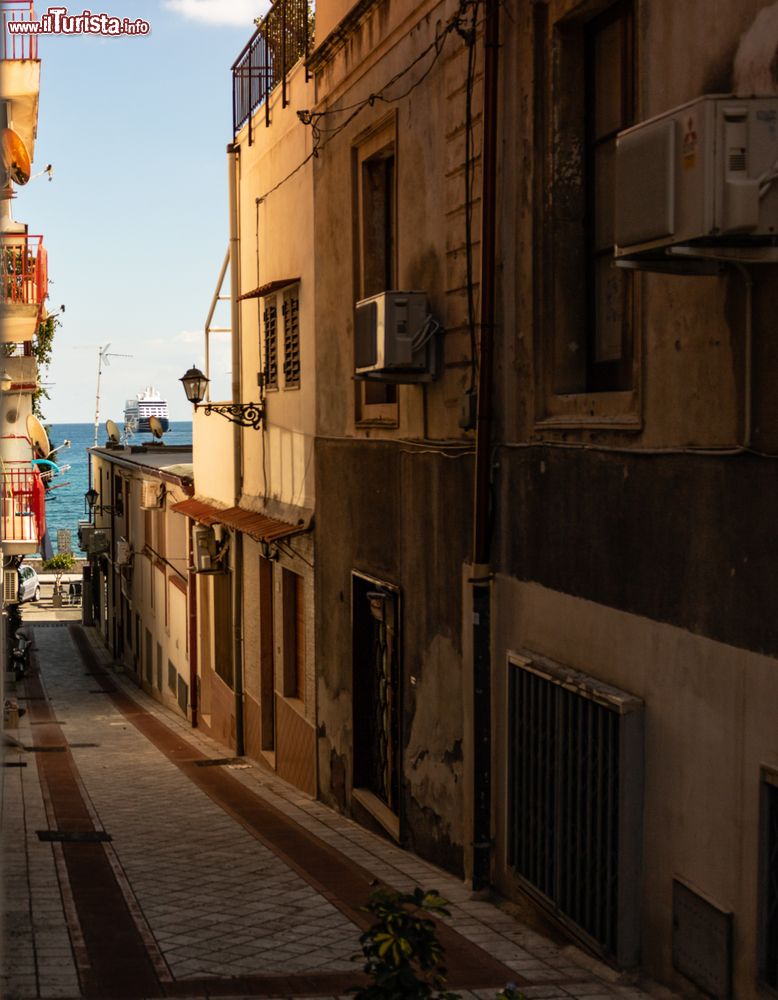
(65, 500)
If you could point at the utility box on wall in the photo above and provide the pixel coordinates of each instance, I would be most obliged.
(704, 173)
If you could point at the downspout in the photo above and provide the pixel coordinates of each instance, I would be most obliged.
(194, 702)
(233, 164)
(481, 578)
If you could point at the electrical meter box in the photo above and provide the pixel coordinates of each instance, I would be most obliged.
(705, 173)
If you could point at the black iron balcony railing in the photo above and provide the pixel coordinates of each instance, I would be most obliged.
(282, 38)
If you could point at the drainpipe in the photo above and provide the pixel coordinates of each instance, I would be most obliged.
(193, 699)
(233, 164)
(481, 578)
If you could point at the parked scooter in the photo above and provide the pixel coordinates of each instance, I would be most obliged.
(21, 654)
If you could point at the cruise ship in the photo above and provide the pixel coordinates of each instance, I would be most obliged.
(146, 404)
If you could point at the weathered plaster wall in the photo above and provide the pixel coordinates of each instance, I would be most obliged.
(381, 492)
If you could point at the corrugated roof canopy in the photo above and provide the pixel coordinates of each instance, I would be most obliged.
(258, 526)
(269, 288)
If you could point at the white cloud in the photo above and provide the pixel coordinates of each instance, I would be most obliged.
(229, 12)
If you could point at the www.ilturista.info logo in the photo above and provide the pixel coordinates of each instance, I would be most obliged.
(57, 21)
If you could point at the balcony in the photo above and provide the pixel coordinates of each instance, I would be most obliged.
(282, 38)
(23, 286)
(24, 511)
(20, 46)
(20, 71)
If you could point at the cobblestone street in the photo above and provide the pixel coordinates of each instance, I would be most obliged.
(140, 860)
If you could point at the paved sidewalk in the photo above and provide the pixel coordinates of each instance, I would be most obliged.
(204, 861)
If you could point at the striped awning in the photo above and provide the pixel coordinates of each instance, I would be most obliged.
(249, 522)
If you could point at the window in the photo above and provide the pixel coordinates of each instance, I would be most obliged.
(609, 109)
(222, 628)
(768, 881)
(291, 313)
(270, 324)
(586, 310)
(376, 218)
(294, 635)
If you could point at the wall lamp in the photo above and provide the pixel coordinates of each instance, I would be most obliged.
(91, 497)
(246, 414)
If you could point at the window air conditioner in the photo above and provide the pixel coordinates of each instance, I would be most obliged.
(10, 586)
(123, 552)
(204, 549)
(705, 174)
(152, 494)
(395, 338)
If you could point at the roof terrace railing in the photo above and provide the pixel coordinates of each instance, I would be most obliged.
(23, 270)
(281, 39)
(21, 45)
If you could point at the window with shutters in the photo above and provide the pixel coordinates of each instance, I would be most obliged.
(291, 314)
(270, 331)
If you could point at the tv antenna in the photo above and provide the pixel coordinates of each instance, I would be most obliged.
(102, 359)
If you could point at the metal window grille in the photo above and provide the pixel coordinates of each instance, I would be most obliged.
(172, 676)
(284, 36)
(271, 345)
(575, 800)
(291, 311)
(768, 929)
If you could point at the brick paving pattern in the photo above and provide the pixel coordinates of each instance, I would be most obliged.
(220, 909)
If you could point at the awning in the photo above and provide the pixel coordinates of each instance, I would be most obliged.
(257, 526)
(268, 288)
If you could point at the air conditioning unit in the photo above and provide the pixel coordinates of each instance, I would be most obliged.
(123, 552)
(10, 586)
(152, 494)
(85, 530)
(92, 540)
(395, 338)
(705, 174)
(204, 549)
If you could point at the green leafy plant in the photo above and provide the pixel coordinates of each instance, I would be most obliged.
(401, 952)
(59, 564)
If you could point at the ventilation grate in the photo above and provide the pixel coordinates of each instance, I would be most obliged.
(45, 749)
(74, 836)
(573, 821)
(218, 762)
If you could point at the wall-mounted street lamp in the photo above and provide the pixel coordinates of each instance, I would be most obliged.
(92, 506)
(246, 414)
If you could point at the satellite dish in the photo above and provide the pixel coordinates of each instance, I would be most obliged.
(113, 432)
(156, 428)
(38, 436)
(16, 159)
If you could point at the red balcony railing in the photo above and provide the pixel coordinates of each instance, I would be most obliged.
(23, 270)
(24, 505)
(22, 45)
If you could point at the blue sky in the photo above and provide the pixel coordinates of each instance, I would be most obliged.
(135, 219)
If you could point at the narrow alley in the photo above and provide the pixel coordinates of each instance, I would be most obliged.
(141, 860)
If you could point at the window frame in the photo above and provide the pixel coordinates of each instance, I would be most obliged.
(378, 142)
(565, 398)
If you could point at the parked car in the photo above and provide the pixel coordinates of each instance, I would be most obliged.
(29, 584)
